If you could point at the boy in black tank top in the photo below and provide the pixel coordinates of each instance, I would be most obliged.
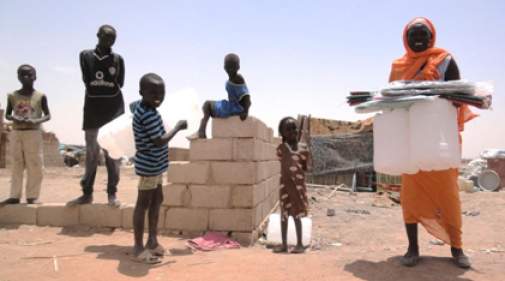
(103, 76)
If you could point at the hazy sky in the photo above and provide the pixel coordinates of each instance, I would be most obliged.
(298, 57)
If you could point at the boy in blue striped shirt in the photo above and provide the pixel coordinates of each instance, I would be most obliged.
(151, 161)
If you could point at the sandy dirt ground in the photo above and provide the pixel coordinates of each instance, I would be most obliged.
(361, 242)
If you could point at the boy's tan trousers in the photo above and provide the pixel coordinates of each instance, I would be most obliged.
(26, 151)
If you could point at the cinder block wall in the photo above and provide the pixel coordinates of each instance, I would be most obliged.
(50, 149)
(230, 183)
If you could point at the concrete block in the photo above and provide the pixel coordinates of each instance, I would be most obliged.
(248, 196)
(188, 172)
(270, 135)
(57, 214)
(18, 214)
(100, 215)
(211, 149)
(234, 219)
(210, 196)
(258, 216)
(187, 219)
(245, 149)
(235, 172)
(233, 127)
(178, 154)
(267, 169)
(274, 198)
(273, 184)
(127, 217)
(245, 239)
(270, 152)
(243, 172)
(265, 208)
(269, 204)
(176, 195)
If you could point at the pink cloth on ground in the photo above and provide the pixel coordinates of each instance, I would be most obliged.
(213, 241)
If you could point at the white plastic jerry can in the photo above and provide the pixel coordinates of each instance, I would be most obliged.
(274, 230)
(434, 142)
(391, 139)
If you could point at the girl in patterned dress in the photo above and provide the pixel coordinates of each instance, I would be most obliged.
(293, 192)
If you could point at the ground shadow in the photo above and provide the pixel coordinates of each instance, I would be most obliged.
(429, 268)
(9, 226)
(123, 255)
(183, 251)
(85, 231)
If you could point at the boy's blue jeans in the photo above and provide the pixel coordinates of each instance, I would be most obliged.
(92, 155)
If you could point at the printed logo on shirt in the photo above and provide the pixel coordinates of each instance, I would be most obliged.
(112, 70)
(100, 82)
(23, 109)
(99, 75)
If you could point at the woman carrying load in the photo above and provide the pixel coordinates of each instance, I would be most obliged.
(430, 197)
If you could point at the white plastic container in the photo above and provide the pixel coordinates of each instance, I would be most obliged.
(424, 137)
(434, 143)
(274, 230)
(117, 136)
(391, 142)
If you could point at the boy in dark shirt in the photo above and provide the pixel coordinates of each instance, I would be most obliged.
(103, 75)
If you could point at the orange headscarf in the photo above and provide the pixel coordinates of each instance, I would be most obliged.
(408, 66)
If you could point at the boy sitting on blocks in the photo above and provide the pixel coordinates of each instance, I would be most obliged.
(238, 101)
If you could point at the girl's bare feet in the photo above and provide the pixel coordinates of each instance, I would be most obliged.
(281, 249)
(299, 249)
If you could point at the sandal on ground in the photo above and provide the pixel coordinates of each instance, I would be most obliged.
(409, 260)
(146, 257)
(158, 251)
(462, 261)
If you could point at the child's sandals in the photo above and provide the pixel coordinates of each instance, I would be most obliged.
(146, 257)
(159, 251)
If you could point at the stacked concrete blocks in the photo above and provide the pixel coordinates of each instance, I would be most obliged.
(230, 183)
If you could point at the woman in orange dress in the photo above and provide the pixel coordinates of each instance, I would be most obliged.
(430, 197)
